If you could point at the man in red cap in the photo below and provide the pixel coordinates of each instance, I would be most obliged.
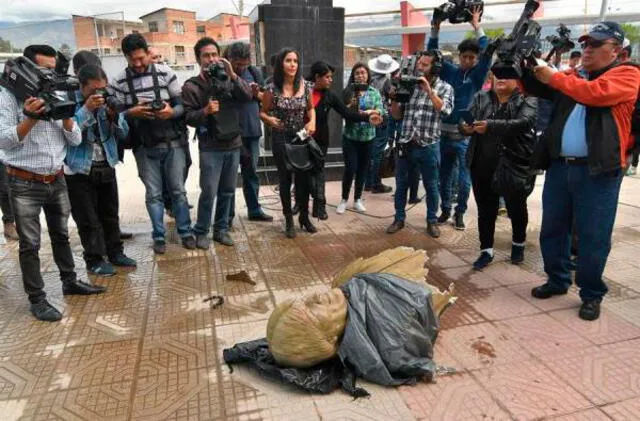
(584, 151)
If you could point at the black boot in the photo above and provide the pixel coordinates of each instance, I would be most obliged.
(320, 210)
(289, 229)
(295, 209)
(305, 223)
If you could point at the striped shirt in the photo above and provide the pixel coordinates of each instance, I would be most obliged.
(170, 88)
(43, 149)
(422, 123)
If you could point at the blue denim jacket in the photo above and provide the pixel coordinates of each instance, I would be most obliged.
(79, 158)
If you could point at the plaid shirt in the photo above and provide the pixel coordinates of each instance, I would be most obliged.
(364, 131)
(422, 122)
(43, 149)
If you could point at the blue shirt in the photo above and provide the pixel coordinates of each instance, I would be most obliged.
(250, 111)
(574, 134)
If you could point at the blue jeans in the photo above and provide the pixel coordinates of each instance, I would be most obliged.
(427, 161)
(249, 157)
(377, 152)
(454, 151)
(218, 177)
(160, 165)
(571, 193)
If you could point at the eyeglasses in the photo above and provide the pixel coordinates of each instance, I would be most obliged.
(593, 43)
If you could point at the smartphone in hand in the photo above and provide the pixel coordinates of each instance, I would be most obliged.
(467, 117)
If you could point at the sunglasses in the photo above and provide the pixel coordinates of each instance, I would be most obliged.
(593, 43)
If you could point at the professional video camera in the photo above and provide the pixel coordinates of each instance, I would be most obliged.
(407, 80)
(457, 11)
(24, 79)
(518, 48)
(562, 42)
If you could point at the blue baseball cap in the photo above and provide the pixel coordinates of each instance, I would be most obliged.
(605, 30)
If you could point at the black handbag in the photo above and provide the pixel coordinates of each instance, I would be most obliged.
(303, 154)
(388, 164)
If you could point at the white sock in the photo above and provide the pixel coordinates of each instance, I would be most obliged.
(490, 251)
(518, 244)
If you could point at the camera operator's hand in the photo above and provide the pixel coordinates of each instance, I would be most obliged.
(425, 85)
(212, 107)
(34, 106)
(476, 15)
(94, 102)
(466, 129)
(435, 24)
(480, 127)
(543, 73)
(229, 69)
(166, 113)
(141, 111)
(112, 114)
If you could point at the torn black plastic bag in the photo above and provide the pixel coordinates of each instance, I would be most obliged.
(390, 331)
(321, 378)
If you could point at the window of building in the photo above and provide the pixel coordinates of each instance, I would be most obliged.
(120, 33)
(100, 29)
(135, 31)
(153, 26)
(201, 30)
(107, 51)
(178, 27)
(179, 49)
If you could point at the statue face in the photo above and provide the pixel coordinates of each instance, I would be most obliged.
(330, 311)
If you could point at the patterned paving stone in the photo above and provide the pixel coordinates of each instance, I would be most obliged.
(607, 329)
(500, 303)
(456, 397)
(529, 390)
(594, 414)
(624, 411)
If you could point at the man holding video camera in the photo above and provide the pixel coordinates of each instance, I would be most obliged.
(91, 176)
(151, 93)
(419, 143)
(33, 150)
(584, 151)
(466, 79)
(213, 104)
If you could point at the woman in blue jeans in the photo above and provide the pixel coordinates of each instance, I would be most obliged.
(358, 137)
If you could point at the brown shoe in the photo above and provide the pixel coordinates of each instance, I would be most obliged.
(10, 232)
(433, 230)
(395, 227)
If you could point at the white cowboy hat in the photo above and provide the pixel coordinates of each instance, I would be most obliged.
(383, 64)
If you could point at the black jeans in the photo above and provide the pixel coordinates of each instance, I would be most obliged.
(94, 207)
(28, 199)
(285, 178)
(488, 202)
(319, 180)
(357, 156)
(5, 197)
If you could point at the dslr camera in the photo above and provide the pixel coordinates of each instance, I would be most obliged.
(407, 80)
(220, 90)
(561, 42)
(517, 50)
(457, 11)
(217, 72)
(24, 79)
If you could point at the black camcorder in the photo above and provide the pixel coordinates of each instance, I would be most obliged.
(217, 72)
(457, 11)
(517, 49)
(24, 79)
(407, 80)
(157, 105)
(220, 89)
(562, 42)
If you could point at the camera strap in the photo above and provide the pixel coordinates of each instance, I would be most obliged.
(154, 78)
(132, 92)
(156, 84)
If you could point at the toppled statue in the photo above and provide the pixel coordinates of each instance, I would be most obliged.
(378, 322)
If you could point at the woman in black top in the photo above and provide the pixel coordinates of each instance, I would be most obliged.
(287, 109)
(325, 100)
(502, 142)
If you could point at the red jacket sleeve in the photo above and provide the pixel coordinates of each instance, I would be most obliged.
(616, 86)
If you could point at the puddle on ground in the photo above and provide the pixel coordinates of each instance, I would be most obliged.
(484, 348)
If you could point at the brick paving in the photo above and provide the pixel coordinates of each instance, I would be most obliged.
(150, 348)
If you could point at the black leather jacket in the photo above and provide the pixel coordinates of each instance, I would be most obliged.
(515, 134)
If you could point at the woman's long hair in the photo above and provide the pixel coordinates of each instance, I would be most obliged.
(357, 66)
(278, 70)
(319, 68)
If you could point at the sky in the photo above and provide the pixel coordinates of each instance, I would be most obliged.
(30, 10)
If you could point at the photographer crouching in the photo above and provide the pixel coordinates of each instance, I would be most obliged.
(34, 146)
(91, 176)
(584, 151)
(212, 102)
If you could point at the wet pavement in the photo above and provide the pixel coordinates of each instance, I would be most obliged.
(150, 348)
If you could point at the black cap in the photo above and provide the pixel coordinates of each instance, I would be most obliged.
(605, 30)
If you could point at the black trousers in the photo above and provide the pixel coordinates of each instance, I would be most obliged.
(319, 180)
(5, 197)
(488, 202)
(29, 198)
(357, 156)
(285, 178)
(94, 207)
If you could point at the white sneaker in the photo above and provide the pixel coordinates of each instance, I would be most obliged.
(359, 206)
(342, 207)
(632, 171)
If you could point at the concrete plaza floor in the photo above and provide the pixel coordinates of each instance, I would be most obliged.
(150, 348)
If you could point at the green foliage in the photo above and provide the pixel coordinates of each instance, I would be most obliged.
(632, 32)
(491, 33)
